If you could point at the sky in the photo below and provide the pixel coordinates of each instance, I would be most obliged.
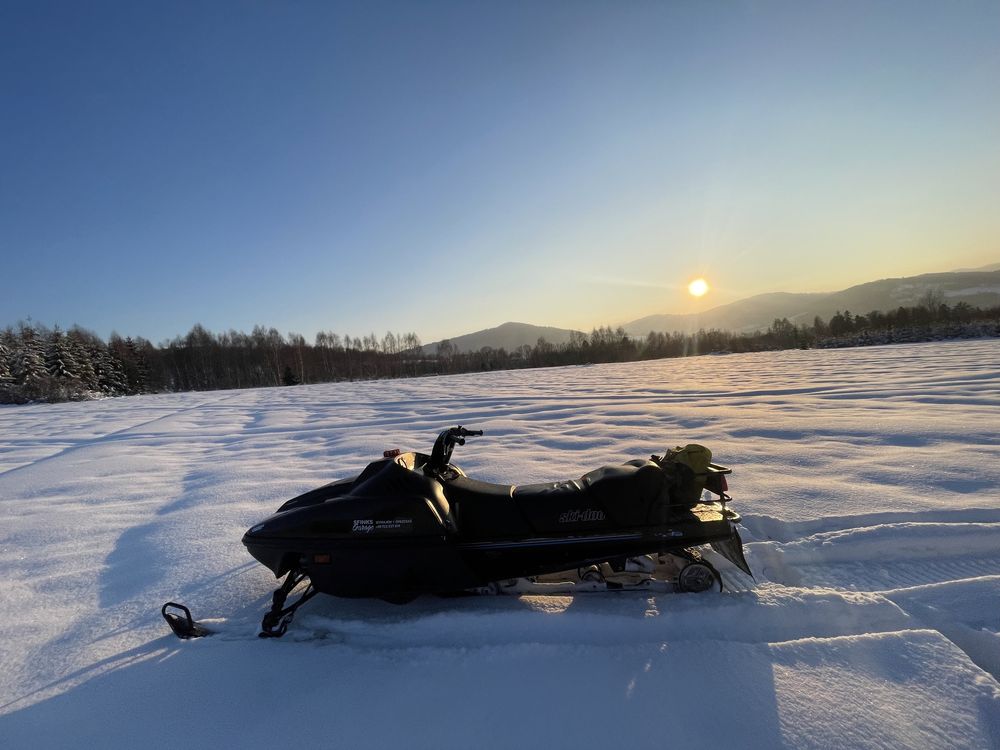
(446, 167)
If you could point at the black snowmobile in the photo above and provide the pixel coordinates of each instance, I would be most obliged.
(414, 524)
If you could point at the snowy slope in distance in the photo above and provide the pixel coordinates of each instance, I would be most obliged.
(869, 482)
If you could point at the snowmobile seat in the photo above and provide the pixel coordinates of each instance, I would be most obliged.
(484, 510)
(609, 497)
(628, 492)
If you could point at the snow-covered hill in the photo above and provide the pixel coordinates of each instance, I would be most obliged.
(979, 288)
(509, 336)
(869, 481)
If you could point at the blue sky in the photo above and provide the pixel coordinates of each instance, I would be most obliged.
(444, 167)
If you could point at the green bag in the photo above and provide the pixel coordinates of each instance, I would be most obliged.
(686, 470)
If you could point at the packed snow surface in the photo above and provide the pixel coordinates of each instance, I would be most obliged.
(868, 479)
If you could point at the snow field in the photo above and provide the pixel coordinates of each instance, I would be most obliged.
(869, 482)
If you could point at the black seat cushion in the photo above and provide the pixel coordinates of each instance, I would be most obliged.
(608, 498)
(483, 510)
(628, 492)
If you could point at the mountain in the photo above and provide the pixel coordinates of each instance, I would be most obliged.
(990, 267)
(745, 314)
(508, 336)
(978, 288)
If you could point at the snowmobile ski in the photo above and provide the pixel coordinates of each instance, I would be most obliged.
(181, 622)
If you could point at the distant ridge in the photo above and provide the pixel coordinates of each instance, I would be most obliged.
(507, 336)
(990, 267)
(977, 287)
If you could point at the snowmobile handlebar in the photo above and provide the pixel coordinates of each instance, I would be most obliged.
(445, 445)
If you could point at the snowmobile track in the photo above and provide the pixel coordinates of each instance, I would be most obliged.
(875, 576)
(943, 574)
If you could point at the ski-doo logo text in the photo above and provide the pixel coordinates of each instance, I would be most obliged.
(579, 516)
(363, 525)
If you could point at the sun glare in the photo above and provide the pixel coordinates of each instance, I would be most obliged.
(698, 287)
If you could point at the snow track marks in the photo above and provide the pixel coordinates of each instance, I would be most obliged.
(944, 575)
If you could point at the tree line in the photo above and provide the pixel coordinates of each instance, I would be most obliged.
(42, 364)
(931, 319)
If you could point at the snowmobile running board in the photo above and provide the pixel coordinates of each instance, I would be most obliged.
(183, 625)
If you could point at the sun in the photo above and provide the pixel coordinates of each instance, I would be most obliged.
(698, 287)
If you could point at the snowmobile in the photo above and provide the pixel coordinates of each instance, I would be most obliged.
(413, 524)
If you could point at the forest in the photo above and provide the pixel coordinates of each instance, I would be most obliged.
(48, 364)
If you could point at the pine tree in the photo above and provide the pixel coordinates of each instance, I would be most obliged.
(143, 380)
(82, 357)
(120, 377)
(8, 389)
(28, 365)
(110, 377)
(59, 360)
(6, 379)
(128, 355)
